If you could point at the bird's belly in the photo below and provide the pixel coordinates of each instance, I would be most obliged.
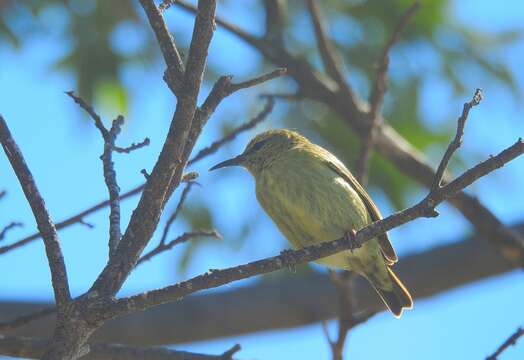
(313, 208)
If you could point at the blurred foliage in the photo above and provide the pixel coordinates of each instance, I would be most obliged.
(88, 28)
(104, 36)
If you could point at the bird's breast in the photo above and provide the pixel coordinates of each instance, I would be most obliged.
(309, 202)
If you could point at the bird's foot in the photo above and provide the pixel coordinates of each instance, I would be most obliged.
(351, 237)
(288, 258)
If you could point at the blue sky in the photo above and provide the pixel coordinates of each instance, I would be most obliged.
(62, 151)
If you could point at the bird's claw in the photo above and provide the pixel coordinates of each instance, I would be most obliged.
(351, 237)
(288, 258)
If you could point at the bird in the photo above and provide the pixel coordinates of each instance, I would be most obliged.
(312, 197)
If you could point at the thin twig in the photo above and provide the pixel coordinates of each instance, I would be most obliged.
(275, 22)
(457, 141)
(377, 95)
(132, 147)
(43, 220)
(285, 96)
(163, 246)
(75, 219)
(175, 65)
(175, 213)
(109, 137)
(224, 87)
(347, 319)
(11, 225)
(115, 233)
(258, 80)
(89, 109)
(231, 136)
(512, 340)
(226, 25)
(330, 59)
(343, 283)
(86, 224)
(229, 353)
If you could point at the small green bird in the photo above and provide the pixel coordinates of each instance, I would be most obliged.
(312, 197)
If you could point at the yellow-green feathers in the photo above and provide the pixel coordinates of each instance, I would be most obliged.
(312, 197)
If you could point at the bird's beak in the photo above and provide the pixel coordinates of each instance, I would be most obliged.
(231, 162)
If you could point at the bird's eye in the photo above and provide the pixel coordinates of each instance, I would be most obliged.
(257, 145)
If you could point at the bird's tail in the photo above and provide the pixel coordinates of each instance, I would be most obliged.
(397, 299)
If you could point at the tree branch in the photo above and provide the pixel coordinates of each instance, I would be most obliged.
(43, 220)
(377, 95)
(10, 226)
(168, 170)
(132, 147)
(109, 137)
(457, 141)
(163, 246)
(343, 281)
(275, 13)
(175, 65)
(328, 54)
(175, 213)
(281, 302)
(75, 219)
(35, 347)
(512, 340)
(226, 25)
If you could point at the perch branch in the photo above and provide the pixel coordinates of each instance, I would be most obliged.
(266, 305)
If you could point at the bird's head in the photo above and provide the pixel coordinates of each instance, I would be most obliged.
(263, 149)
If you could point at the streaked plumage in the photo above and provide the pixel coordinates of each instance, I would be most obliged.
(312, 197)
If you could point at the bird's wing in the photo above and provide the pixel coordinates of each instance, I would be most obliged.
(341, 169)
